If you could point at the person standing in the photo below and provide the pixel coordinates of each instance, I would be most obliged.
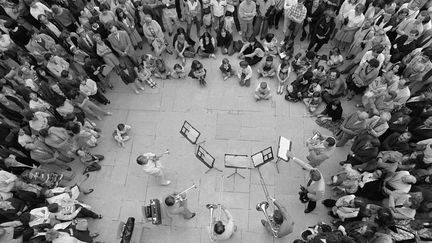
(122, 44)
(315, 9)
(176, 204)
(281, 220)
(295, 15)
(265, 10)
(315, 187)
(222, 230)
(246, 14)
(152, 166)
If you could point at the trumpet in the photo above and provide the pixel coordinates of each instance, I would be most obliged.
(315, 140)
(211, 208)
(264, 205)
(156, 157)
(178, 196)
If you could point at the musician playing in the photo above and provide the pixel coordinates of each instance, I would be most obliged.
(320, 149)
(222, 230)
(282, 221)
(176, 204)
(315, 187)
(152, 166)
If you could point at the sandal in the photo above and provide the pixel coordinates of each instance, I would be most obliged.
(94, 235)
(100, 216)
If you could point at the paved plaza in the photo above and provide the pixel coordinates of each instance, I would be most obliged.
(231, 122)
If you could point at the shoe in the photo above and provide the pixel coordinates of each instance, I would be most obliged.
(108, 102)
(349, 57)
(166, 183)
(142, 88)
(169, 52)
(303, 38)
(344, 72)
(308, 210)
(240, 33)
(263, 222)
(170, 34)
(99, 118)
(276, 27)
(193, 215)
(88, 192)
(108, 114)
(213, 56)
(137, 92)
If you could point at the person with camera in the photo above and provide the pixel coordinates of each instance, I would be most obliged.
(176, 204)
(315, 187)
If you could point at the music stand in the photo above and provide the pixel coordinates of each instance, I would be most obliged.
(237, 161)
(190, 133)
(207, 159)
(284, 146)
(262, 157)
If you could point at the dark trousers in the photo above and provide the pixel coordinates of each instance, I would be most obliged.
(86, 213)
(236, 20)
(99, 97)
(274, 19)
(260, 21)
(316, 41)
(311, 205)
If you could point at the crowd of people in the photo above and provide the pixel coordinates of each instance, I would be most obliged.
(57, 55)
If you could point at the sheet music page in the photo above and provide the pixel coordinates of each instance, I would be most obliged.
(238, 161)
(257, 159)
(284, 146)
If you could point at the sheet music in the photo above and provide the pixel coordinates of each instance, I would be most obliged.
(237, 161)
(284, 146)
(257, 159)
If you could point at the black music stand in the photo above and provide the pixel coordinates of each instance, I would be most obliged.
(190, 133)
(207, 159)
(262, 157)
(284, 146)
(237, 161)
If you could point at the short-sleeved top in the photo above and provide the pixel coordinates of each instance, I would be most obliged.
(263, 6)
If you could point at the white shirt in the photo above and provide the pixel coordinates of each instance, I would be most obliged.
(152, 167)
(53, 28)
(5, 42)
(402, 96)
(427, 159)
(40, 122)
(89, 88)
(218, 7)
(354, 20)
(229, 228)
(38, 8)
(39, 104)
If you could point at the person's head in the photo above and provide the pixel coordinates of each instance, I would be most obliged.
(120, 14)
(320, 68)
(307, 76)
(219, 227)
(147, 18)
(225, 61)
(43, 132)
(413, 34)
(55, 9)
(284, 64)
(300, 1)
(223, 32)
(336, 51)
(377, 49)
(177, 67)
(42, 18)
(359, 8)
(269, 60)
(315, 175)
(53, 207)
(243, 64)
(11, 24)
(367, 24)
(424, 17)
(405, 137)
(409, 179)
(373, 64)
(206, 37)
(248, 1)
(252, 40)
(33, 96)
(169, 201)
(310, 55)
(104, 7)
(334, 74)
(121, 126)
(142, 159)
(413, 202)
(80, 152)
(48, 56)
(269, 37)
(263, 85)
(335, 104)
(278, 217)
(377, 173)
(329, 142)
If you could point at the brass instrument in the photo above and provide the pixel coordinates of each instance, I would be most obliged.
(316, 140)
(263, 206)
(178, 196)
(156, 157)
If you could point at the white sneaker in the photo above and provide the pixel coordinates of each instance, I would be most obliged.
(166, 183)
(213, 56)
(240, 33)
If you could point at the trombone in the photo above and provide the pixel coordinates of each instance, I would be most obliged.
(211, 207)
(178, 197)
(263, 206)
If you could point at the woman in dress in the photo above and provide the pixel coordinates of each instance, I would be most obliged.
(127, 23)
(352, 22)
(283, 73)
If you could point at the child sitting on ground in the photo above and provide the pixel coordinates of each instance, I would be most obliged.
(244, 74)
(283, 73)
(129, 77)
(270, 45)
(268, 69)
(149, 62)
(312, 103)
(335, 58)
(226, 69)
(262, 92)
(144, 75)
(120, 134)
(286, 50)
(301, 63)
(179, 72)
(198, 72)
(319, 74)
(161, 71)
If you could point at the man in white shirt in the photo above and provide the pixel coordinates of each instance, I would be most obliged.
(37, 8)
(402, 93)
(152, 166)
(218, 10)
(222, 230)
(37, 104)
